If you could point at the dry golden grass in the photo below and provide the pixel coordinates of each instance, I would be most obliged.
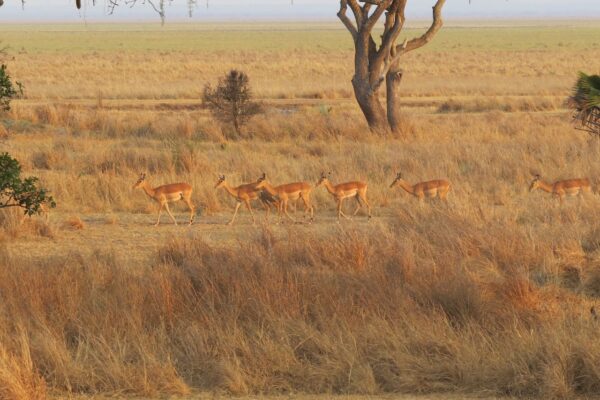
(489, 295)
(391, 307)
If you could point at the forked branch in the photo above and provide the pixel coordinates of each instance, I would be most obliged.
(422, 40)
(345, 20)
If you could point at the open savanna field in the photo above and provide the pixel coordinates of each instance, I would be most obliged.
(486, 295)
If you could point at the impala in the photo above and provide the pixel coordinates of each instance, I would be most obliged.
(436, 188)
(342, 191)
(244, 194)
(166, 194)
(284, 193)
(568, 187)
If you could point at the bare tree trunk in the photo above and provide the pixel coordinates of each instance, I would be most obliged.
(371, 107)
(375, 63)
(236, 126)
(392, 83)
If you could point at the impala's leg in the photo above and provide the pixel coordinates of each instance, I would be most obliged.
(159, 212)
(267, 207)
(308, 209)
(189, 203)
(237, 207)
(363, 197)
(444, 196)
(285, 206)
(247, 202)
(170, 215)
(358, 206)
(340, 211)
(442, 193)
(421, 198)
(279, 211)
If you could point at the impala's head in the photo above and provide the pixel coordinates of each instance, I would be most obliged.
(220, 182)
(398, 178)
(535, 183)
(140, 181)
(261, 181)
(323, 178)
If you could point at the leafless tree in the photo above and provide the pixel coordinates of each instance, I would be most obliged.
(157, 5)
(375, 63)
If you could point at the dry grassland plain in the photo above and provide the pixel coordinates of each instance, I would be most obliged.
(489, 295)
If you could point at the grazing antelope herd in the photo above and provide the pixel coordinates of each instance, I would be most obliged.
(280, 196)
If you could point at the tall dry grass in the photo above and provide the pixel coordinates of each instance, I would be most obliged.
(489, 156)
(448, 304)
(487, 295)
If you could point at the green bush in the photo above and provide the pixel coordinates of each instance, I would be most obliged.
(21, 192)
(7, 89)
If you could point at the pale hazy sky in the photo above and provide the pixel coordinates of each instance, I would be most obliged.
(64, 10)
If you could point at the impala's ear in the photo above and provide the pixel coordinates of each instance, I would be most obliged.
(399, 175)
(263, 176)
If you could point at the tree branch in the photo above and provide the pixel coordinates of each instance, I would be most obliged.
(365, 11)
(421, 41)
(357, 11)
(345, 20)
(393, 26)
(372, 20)
(7, 205)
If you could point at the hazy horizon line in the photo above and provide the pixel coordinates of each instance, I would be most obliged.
(274, 19)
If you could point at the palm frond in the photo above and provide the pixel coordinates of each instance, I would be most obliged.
(585, 100)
